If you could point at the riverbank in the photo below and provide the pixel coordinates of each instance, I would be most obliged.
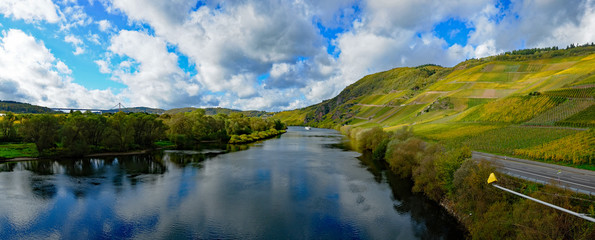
(255, 136)
(449, 176)
(103, 154)
(28, 152)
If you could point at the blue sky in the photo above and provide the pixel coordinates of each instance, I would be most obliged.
(265, 55)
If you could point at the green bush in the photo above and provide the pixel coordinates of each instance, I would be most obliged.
(402, 156)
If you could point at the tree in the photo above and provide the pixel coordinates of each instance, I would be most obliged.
(42, 130)
(73, 135)
(147, 128)
(403, 156)
(95, 127)
(238, 124)
(7, 128)
(119, 134)
(425, 176)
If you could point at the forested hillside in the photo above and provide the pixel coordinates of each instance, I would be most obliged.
(17, 107)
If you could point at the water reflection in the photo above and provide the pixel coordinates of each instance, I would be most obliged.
(306, 184)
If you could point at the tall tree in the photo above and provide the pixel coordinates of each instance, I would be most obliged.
(41, 129)
(119, 134)
(7, 127)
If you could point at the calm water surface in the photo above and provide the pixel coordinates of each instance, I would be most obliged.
(303, 185)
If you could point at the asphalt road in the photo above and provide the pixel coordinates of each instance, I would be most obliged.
(578, 180)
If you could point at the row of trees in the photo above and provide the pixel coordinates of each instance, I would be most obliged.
(79, 133)
(448, 175)
(190, 128)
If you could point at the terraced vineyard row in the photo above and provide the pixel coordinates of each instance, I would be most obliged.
(583, 119)
(572, 93)
(577, 149)
(560, 112)
(507, 140)
(512, 109)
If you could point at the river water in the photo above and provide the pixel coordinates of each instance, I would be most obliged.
(302, 185)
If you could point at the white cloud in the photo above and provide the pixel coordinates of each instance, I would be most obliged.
(104, 25)
(94, 38)
(152, 74)
(76, 42)
(73, 39)
(78, 50)
(30, 10)
(103, 66)
(73, 15)
(29, 72)
(232, 44)
(62, 68)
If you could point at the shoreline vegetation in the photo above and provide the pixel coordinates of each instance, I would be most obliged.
(31, 136)
(448, 175)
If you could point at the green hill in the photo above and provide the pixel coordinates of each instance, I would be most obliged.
(215, 111)
(18, 107)
(529, 98)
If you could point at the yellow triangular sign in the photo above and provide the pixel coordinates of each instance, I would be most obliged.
(492, 178)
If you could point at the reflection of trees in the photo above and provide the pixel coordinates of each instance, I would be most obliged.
(142, 164)
(39, 167)
(43, 188)
(7, 167)
(429, 218)
(237, 147)
(83, 167)
(135, 165)
(181, 159)
(138, 168)
(89, 172)
(373, 166)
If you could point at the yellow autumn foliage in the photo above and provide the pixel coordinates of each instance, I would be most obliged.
(577, 149)
(512, 109)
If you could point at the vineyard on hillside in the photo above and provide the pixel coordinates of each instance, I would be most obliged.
(506, 140)
(511, 104)
(560, 112)
(585, 118)
(452, 130)
(572, 93)
(577, 149)
(512, 109)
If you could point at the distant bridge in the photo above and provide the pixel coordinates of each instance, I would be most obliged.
(118, 106)
(78, 109)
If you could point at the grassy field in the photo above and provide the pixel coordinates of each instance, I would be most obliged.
(14, 150)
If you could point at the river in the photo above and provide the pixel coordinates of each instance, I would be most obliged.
(301, 185)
